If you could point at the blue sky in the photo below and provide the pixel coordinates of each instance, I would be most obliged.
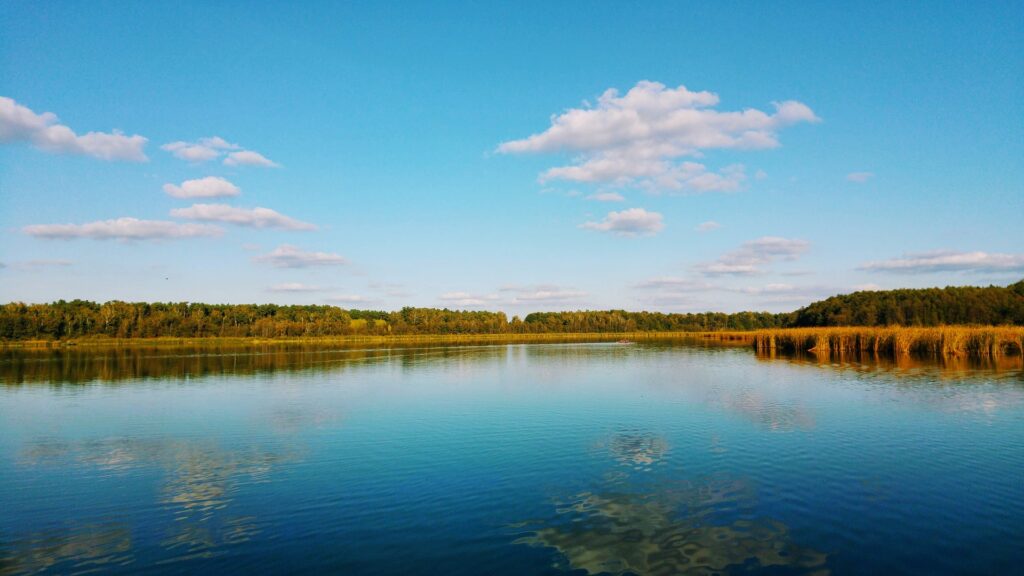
(751, 156)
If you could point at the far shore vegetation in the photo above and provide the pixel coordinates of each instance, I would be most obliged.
(952, 321)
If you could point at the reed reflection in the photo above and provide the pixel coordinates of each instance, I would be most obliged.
(69, 366)
(951, 384)
(866, 360)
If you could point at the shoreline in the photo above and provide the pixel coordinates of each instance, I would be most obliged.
(947, 341)
(498, 338)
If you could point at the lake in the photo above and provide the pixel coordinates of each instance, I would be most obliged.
(647, 459)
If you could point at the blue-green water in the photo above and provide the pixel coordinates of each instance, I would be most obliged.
(517, 460)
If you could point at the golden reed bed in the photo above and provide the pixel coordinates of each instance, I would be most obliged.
(942, 341)
(947, 341)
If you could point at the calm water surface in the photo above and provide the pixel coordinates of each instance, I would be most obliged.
(520, 459)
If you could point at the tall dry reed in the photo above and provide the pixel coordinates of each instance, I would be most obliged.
(955, 341)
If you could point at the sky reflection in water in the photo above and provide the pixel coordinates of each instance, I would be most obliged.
(524, 459)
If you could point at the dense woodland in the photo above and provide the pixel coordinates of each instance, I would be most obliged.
(78, 318)
(992, 305)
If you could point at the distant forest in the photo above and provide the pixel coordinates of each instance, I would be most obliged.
(993, 305)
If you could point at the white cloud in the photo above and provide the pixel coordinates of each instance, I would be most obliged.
(249, 158)
(778, 288)
(860, 177)
(252, 217)
(629, 223)
(728, 269)
(780, 293)
(751, 257)
(678, 301)
(206, 149)
(691, 294)
(350, 299)
(288, 256)
(708, 226)
(949, 261)
(869, 287)
(467, 299)
(607, 197)
(634, 139)
(123, 229)
(651, 175)
(542, 293)
(20, 124)
(209, 187)
(294, 287)
(202, 150)
(675, 284)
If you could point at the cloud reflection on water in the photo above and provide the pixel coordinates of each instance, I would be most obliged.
(199, 481)
(85, 547)
(679, 527)
(668, 532)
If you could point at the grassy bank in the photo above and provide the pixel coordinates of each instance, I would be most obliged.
(946, 341)
(404, 339)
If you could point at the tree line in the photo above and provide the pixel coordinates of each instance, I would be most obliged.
(990, 305)
(80, 318)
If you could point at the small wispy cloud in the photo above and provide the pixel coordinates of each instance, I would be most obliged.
(607, 197)
(208, 187)
(860, 177)
(288, 256)
(675, 283)
(350, 299)
(949, 261)
(201, 150)
(542, 293)
(249, 158)
(708, 226)
(252, 217)
(213, 147)
(294, 287)
(751, 257)
(631, 222)
(122, 229)
(20, 124)
(467, 299)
